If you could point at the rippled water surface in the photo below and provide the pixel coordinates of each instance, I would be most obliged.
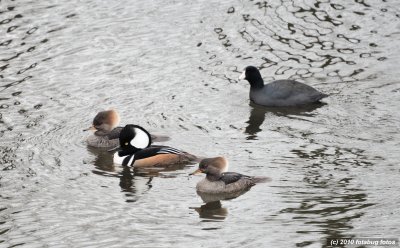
(172, 66)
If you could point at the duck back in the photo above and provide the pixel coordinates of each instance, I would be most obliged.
(283, 93)
(217, 187)
(101, 141)
(104, 139)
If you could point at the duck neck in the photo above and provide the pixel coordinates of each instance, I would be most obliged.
(101, 132)
(256, 83)
(213, 177)
(128, 151)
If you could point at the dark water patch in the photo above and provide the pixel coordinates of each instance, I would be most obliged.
(5, 43)
(4, 231)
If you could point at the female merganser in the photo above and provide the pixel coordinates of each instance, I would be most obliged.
(106, 130)
(219, 181)
(135, 150)
(279, 93)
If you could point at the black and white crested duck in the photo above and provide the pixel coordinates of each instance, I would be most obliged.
(136, 150)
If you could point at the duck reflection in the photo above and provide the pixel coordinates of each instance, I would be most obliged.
(134, 182)
(212, 211)
(158, 171)
(134, 185)
(103, 160)
(258, 112)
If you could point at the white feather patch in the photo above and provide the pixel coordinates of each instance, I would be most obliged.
(131, 160)
(243, 75)
(141, 139)
(118, 159)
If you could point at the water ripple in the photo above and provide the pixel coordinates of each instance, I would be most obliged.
(173, 67)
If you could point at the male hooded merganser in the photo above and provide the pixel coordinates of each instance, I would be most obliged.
(135, 150)
(219, 181)
(279, 93)
(106, 130)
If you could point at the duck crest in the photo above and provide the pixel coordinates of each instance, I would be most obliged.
(134, 136)
(142, 138)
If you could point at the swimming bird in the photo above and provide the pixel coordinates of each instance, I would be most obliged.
(136, 150)
(279, 93)
(106, 130)
(219, 181)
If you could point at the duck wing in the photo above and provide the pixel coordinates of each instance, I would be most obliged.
(155, 150)
(128, 158)
(231, 177)
(283, 89)
(114, 134)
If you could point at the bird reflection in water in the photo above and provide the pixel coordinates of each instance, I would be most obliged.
(212, 209)
(258, 113)
(133, 185)
(134, 182)
(103, 161)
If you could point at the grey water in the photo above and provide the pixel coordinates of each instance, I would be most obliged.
(172, 67)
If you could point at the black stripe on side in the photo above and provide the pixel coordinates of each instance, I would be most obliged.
(126, 161)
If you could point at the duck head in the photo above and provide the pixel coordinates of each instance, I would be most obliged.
(212, 166)
(105, 121)
(133, 138)
(253, 76)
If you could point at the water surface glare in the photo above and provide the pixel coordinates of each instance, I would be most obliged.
(172, 66)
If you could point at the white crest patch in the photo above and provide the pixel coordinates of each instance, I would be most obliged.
(243, 75)
(141, 139)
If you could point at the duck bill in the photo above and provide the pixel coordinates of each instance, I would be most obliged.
(243, 75)
(91, 128)
(198, 171)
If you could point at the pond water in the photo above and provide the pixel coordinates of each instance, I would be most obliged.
(172, 66)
